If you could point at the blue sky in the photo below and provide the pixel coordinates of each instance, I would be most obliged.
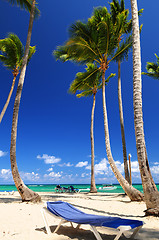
(53, 141)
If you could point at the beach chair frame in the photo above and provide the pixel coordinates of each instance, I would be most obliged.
(122, 229)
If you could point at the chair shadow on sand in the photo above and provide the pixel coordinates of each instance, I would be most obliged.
(82, 234)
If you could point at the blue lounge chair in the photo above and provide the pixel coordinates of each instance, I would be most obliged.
(73, 190)
(68, 213)
(60, 189)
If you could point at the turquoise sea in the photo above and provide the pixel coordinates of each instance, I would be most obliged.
(82, 187)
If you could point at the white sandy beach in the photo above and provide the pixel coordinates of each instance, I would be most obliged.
(23, 221)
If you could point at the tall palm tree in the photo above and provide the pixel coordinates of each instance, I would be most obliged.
(96, 41)
(89, 83)
(120, 17)
(151, 195)
(25, 193)
(12, 51)
(153, 69)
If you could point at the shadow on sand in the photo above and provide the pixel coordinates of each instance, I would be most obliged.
(82, 234)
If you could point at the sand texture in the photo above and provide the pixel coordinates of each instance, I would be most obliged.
(23, 221)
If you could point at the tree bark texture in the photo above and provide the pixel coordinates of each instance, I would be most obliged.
(126, 170)
(93, 188)
(8, 99)
(25, 193)
(151, 195)
(132, 193)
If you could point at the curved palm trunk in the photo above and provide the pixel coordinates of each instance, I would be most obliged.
(148, 167)
(24, 191)
(150, 192)
(15, 73)
(93, 185)
(132, 193)
(127, 177)
(130, 169)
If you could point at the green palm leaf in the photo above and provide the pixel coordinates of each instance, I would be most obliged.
(89, 82)
(25, 4)
(153, 69)
(123, 50)
(12, 51)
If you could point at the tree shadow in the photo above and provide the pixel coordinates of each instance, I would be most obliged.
(108, 213)
(149, 233)
(10, 199)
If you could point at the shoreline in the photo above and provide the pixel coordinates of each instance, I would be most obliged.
(24, 221)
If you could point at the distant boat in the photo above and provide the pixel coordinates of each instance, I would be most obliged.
(107, 187)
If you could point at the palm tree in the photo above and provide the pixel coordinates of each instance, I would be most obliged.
(96, 41)
(12, 51)
(151, 195)
(88, 83)
(119, 17)
(153, 69)
(25, 193)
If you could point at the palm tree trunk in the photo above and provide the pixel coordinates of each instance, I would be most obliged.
(127, 177)
(24, 191)
(130, 169)
(132, 193)
(93, 188)
(8, 99)
(148, 167)
(150, 192)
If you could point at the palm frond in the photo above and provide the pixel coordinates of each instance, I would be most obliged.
(123, 50)
(140, 12)
(153, 75)
(153, 69)
(76, 49)
(25, 4)
(79, 29)
(85, 93)
(116, 8)
(110, 76)
(9, 52)
(157, 59)
(87, 80)
(105, 30)
(18, 45)
(32, 50)
(12, 51)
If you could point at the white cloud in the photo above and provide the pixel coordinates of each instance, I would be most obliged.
(5, 174)
(135, 167)
(83, 175)
(50, 169)
(69, 176)
(120, 166)
(66, 165)
(52, 175)
(2, 154)
(49, 159)
(101, 167)
(155, 169)
(88, 167)
(32, 176)
(82, 164)
(156, 163)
